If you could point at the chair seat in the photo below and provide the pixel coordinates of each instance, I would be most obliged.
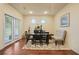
(58, 38)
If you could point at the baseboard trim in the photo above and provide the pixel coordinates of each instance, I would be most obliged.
(9, 44)
(75, 52)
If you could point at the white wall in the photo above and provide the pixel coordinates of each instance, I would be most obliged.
(51, 25)
(48, 26)
(5, 8)
(73, 30)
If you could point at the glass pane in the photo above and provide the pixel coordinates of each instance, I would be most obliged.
(8, 29)
(16, 28)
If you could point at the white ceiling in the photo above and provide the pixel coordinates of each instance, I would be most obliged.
(38, 8)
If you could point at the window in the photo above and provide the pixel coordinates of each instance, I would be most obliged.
(33, 21)
(43, 21)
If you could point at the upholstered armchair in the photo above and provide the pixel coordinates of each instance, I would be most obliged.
(60, 36)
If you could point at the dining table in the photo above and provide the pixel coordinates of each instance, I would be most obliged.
(40, 37)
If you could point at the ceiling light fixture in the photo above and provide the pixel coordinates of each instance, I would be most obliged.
(45, 12)
(30, 12)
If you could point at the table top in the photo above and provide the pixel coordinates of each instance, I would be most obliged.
(40, 34)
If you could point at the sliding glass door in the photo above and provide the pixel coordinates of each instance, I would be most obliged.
(16, 28)
(8, 29)
(11, 29)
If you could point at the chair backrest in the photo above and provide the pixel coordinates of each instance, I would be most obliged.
(45, 35)
(61, 33)
(27, 36)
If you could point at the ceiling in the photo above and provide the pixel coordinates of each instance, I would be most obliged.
(38, 8)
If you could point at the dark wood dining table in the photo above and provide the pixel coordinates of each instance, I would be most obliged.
(39, 36)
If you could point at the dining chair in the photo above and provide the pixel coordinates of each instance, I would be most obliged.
(60, 36)
(36, 38)
(45, 38)
(27, 37)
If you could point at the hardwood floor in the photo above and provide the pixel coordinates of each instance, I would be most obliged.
(16, 49)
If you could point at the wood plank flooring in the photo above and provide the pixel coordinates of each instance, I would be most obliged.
(16, 49)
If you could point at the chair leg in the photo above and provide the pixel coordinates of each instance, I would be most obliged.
(62, 42)
(26, 41)
(56, 43)
(41, 43)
